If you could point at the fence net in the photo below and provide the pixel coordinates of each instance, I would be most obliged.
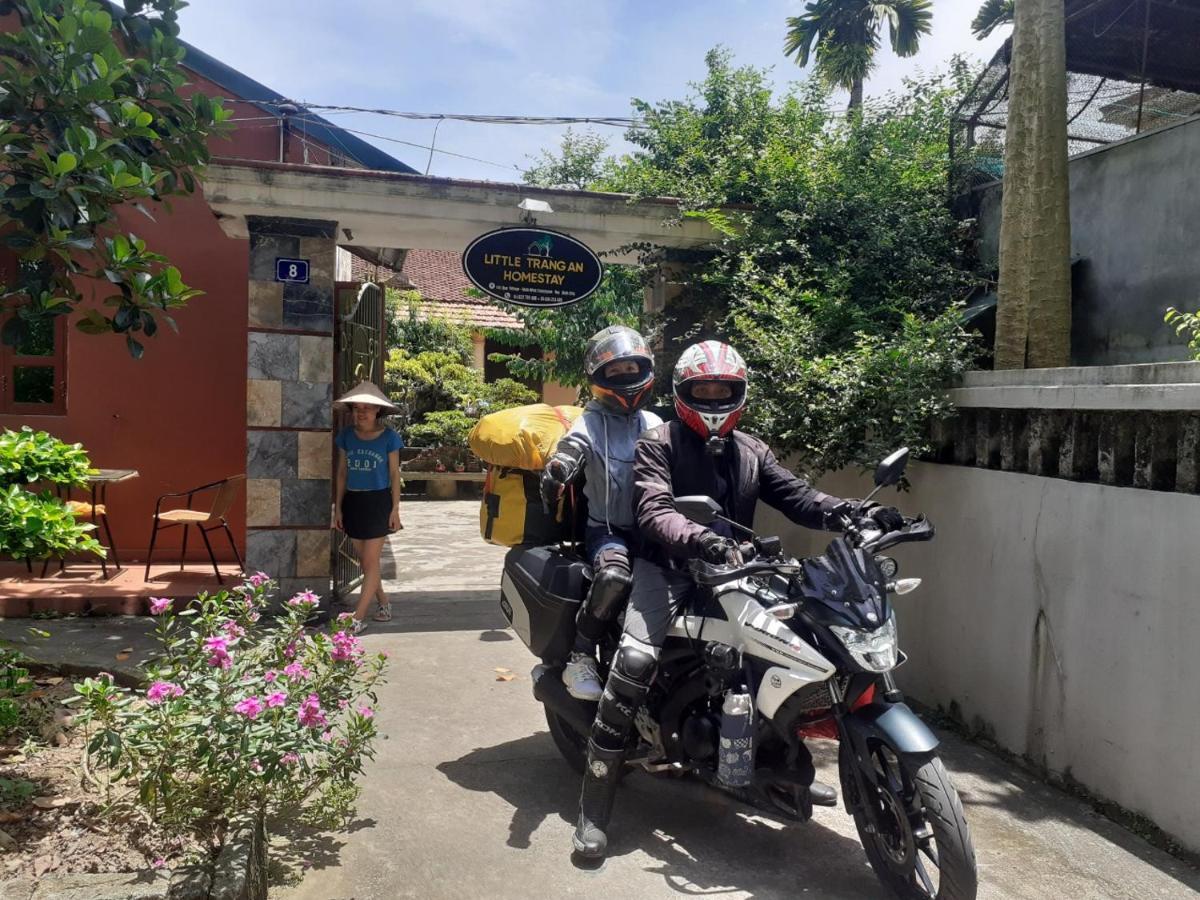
(1132, 67)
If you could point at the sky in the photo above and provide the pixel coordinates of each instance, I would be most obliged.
(504, 57)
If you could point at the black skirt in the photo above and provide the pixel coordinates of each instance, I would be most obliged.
(365, 514)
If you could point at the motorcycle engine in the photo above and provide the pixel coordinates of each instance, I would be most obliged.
(699, 736)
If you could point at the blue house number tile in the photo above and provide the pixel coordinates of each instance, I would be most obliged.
(294, 271)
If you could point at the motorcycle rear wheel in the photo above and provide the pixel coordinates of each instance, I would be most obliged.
(924, 825)
(570, 743)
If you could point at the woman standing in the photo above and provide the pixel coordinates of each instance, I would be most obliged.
(368, 490)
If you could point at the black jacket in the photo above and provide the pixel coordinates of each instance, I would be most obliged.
(671, 461)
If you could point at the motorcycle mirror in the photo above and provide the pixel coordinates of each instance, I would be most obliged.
(701, 510)
(891, 470)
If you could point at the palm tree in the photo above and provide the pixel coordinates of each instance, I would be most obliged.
(845, 36)
(1033, 319)
(991, 16)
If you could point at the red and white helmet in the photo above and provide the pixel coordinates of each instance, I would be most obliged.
(710, 361)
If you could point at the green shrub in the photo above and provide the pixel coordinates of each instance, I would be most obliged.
(411, 331)
(245, 712)
(17, 715)
(29, 457)
(1189, 322)
(447, 428)
(35, 526)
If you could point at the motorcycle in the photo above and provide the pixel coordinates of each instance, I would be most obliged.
(790, 650)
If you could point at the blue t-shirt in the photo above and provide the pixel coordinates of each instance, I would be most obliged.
(367, 461)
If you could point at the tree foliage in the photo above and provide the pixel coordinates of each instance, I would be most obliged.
(562, 334)
(992, 15)
(839, 284)
(93, 119)
(579, 162)
(409, 329)
(844, 37)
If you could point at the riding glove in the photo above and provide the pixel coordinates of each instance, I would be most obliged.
(719, 550)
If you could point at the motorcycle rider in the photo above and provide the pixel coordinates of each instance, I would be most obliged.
(700, 453)
(620, 369)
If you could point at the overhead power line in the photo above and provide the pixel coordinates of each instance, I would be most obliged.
(613, 121)
(383, 137)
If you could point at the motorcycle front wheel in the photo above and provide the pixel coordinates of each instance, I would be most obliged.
(913, 829)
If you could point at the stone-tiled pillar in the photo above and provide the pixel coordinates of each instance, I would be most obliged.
(289, 461)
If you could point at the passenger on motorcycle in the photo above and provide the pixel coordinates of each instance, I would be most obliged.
(700, 453)
(600, 444)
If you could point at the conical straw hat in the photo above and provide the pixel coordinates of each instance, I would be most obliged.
(366, 392)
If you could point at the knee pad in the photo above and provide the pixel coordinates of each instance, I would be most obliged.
(634, 665)
(627, 686)
(610, 590)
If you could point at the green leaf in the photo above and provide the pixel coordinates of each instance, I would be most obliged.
(66, 163)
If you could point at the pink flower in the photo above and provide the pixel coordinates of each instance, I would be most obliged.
(304, 598)
(383, 654)
(342, 704)
(219, 648)
(366, 712)
(163, 690)
(345, 617)
(159, 605)
(160, 862)
(345, 646)
(289, 759)
(310, 714)
(253, 617)
(270, 676)
(234, 630)
(256, 767)
(250, 707)
(296, 671)
(327, 736)
(258, 579)
(290, 650)
(276, 699)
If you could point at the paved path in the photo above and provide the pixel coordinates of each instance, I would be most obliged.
(469, 799)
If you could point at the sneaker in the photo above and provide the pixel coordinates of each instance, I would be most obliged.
(581, 678)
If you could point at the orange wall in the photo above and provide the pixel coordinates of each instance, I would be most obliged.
(178, 415)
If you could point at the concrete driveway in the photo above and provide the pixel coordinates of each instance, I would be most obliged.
(468, 797)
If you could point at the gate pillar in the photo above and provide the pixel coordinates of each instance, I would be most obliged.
(289, 396)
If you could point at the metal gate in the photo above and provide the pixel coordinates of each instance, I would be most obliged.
(359, 337)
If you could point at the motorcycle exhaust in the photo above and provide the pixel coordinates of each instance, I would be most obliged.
(548, 689)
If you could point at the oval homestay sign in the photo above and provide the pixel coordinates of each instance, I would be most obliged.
(532, 267)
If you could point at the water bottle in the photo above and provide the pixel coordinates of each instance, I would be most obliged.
(735, 759)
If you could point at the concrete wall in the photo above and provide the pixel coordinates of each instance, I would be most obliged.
(1061, 618)
(1135, 213)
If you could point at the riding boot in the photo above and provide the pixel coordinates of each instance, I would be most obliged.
(596, 801)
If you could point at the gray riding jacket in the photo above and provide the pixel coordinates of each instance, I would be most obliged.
(607, 440)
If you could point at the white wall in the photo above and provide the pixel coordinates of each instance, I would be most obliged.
(1062, 617)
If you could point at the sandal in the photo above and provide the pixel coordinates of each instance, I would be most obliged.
(359, 626)
(384, 612)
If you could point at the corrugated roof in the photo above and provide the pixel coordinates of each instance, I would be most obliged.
(439, 277)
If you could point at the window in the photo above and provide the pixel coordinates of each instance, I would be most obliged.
(33, 375)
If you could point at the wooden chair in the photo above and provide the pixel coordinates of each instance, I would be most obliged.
(205, 520)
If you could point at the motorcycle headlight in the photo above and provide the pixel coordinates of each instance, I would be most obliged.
(874, 650)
